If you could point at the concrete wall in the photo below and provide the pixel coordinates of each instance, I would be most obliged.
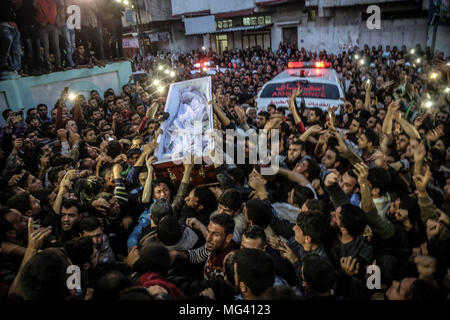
(344, 3)
(285, 16)
(395, 32)
(158, 10)
(185, 6)
(442, 42)
(182, 43)
(345, 29)
(218, 6)
(29, 91)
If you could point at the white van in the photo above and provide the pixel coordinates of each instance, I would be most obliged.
(320, 86)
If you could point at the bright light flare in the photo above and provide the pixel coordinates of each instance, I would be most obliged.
(166, 71)
(428, 104)
(447, 90)
(160, 67)
(172, 74)
(433, 75)
(72, 96)
(161, 89)
(156, 82)
(411, 51)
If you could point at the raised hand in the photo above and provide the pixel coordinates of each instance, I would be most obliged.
(36, 237)
(421, 181)
(256, 181)
(331, 179)
(149, 161)
(393, 107)
(387, 84)
(362, 171)
(121, 158)
(349, 265)
(240, 114)
(194, 223)
(434, 134)
(419, 153)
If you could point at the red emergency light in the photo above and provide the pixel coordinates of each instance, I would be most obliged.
(202, 64)
(310, 64)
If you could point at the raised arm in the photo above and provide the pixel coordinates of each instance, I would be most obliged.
(220, 114)
(293, 176)
(382, 227)
(368, 88)
(409, 129)
(178, 201)
(147, 192)
(293, 109)
(65, 184)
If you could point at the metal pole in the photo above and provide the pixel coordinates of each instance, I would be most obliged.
(137, 14)
(435, 26)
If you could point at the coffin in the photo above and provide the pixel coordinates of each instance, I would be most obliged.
(187, 102)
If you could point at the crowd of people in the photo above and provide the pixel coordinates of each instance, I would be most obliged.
(40, 36)
(366, 187)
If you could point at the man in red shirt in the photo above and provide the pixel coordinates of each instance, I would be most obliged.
(46, 12)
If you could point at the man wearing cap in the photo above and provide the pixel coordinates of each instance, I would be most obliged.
(347, 81)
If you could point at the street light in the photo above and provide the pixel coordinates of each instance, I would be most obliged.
(418, 60)
(160, 67)
(412, 51)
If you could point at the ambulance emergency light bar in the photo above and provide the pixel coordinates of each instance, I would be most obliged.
(310, 64)
(201, 64)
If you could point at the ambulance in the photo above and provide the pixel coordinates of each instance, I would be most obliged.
(319, 82)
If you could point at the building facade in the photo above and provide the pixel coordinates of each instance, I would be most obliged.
(332, 25)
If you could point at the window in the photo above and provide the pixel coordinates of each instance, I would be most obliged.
(223, 24)
(253, 21)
